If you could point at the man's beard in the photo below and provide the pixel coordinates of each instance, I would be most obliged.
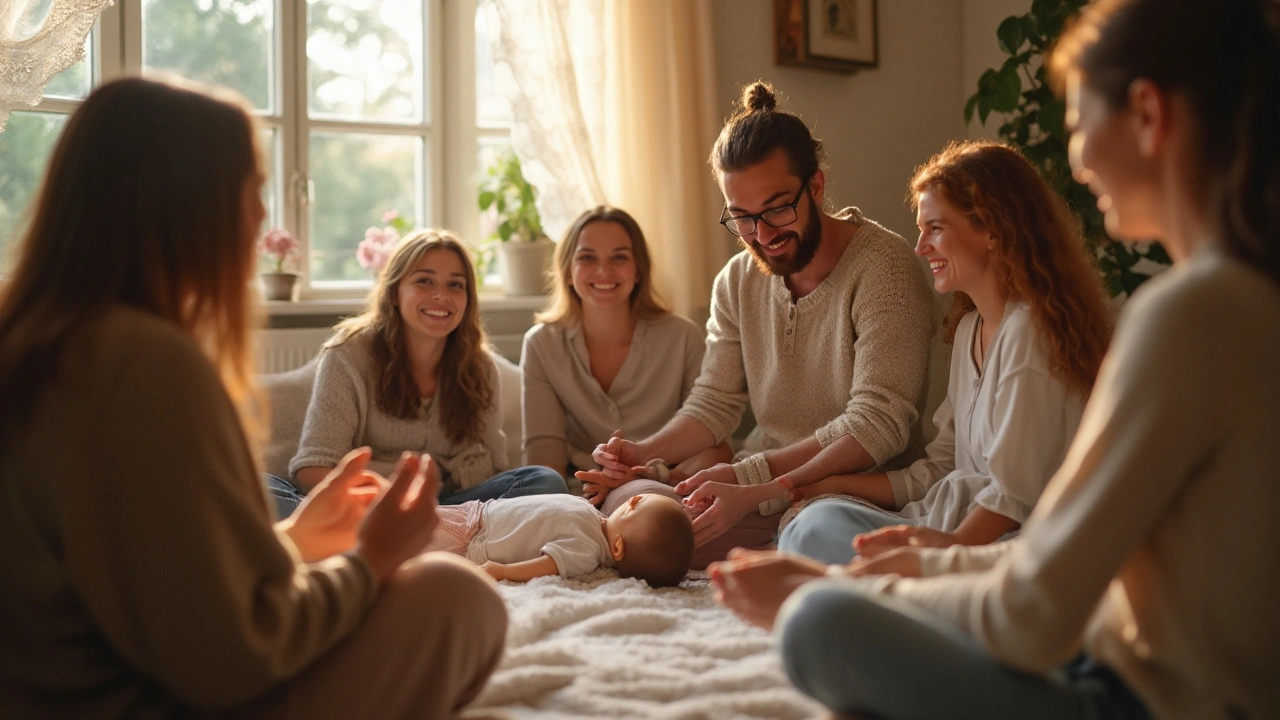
(806, 247)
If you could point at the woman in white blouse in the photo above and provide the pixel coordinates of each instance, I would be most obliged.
(606, 356)
(1151, 558)
(1029, 324)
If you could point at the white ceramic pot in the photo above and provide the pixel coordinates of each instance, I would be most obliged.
(524, 266)
(279, 286)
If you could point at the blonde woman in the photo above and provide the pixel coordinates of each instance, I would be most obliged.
(607, 356)
(142, 574)
(413, 372)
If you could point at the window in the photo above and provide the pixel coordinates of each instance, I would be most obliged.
(359, 115)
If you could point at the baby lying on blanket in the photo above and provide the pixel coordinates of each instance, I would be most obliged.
(649, 537)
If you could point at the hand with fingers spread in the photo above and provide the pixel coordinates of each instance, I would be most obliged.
(326, 522)
(885, 539)
(754, 584)
(904, 561)
(618, 458)
(399, 524)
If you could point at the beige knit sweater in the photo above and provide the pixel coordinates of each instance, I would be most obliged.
(140, 575)
(1154, 546)
(849, 358)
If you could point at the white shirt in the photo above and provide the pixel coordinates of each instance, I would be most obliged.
(565, 527)
(1014, 422)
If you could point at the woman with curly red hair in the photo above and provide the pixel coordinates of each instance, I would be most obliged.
(1030, 324)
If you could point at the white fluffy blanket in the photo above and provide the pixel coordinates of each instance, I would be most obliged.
(602, 647)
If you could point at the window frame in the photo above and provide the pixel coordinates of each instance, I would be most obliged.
(447, 168)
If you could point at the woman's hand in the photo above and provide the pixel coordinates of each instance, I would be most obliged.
(596, 486)
(755, 584)
(399, 524)
(904, 561)
(883, 540)
(718, 506)
(618, 458)
(326, 522)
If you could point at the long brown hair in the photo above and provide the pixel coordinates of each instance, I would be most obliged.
(142, 205)
(1039, 252)
(464, 390)
(566, 306)
(1224, 57)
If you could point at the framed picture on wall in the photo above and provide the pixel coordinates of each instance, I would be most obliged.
(837, 35)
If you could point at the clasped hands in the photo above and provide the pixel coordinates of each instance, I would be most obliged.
(353, 508)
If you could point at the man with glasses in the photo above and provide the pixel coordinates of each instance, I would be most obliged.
(823, 324)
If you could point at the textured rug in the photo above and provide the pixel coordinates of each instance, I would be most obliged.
(602, 647)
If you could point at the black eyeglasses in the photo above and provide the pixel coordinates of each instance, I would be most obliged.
(744, 225)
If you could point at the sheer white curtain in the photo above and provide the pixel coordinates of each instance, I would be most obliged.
(39, 39)
(614, 102)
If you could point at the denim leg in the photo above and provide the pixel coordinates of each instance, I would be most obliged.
(824, 530)
(285, 494)
(878, 656)
(529, 480)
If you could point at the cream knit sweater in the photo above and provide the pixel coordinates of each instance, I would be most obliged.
(849, 358)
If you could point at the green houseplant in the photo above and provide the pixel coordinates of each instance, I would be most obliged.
(523, 249)
(1034, 122)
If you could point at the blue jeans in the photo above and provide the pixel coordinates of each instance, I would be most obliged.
(824, 530)
(529, 480)
(879, 656)
(285, 494)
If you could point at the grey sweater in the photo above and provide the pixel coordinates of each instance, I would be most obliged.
(343, 415)
(849, 358)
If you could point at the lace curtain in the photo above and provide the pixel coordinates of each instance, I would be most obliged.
(614, 102)
(39, 39)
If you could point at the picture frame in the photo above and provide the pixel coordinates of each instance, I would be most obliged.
(833, 35)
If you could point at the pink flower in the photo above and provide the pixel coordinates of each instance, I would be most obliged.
(390, 216)
(373, 252)
(279, 245)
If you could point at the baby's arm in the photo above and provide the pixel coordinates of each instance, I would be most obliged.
(522, 571)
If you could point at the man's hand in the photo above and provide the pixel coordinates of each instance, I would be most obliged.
(326, 522)
(719, 473)
(833, 485)
(720, 506)
(755, 584)
(618, 458)
(883, 540)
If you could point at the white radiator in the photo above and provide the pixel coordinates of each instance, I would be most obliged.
(281, 350)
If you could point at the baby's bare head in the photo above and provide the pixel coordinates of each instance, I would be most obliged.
(657, 540)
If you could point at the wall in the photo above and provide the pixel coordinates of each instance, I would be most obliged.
(877, 124)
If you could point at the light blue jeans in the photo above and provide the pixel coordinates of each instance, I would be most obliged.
(528, 480)
(531, 480)
(824, 530)
(881, 657)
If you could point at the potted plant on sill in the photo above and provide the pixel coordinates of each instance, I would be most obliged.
(281, 247)
(524, 251)
(1034, 122)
